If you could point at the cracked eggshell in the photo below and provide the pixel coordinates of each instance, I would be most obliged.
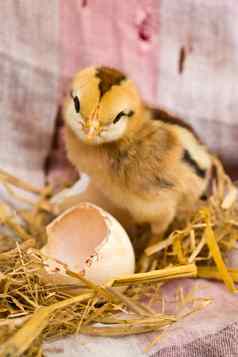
(90, 240)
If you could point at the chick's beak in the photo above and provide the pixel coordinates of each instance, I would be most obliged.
(92, 129)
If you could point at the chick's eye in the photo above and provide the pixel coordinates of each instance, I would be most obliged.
(76, 104)
(118, 117)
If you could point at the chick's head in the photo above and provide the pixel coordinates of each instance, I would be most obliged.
(101, 105)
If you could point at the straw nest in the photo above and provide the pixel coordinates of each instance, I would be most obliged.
(35, 307)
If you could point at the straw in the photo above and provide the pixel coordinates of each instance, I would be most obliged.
(33, 310)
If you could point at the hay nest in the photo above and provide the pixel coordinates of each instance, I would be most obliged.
(34, 309)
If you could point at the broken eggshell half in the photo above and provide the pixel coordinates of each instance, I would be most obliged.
(88, 239)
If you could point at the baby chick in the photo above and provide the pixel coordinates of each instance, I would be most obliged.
(143, 159)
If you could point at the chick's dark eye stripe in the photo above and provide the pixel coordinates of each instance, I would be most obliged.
(118, 117)
(76, 102)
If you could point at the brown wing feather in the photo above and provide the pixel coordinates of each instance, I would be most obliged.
(165, 117)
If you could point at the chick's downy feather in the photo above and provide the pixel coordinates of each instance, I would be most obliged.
(149, 163)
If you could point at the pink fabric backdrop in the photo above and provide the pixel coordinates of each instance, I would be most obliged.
(145, 39)
(43, 43)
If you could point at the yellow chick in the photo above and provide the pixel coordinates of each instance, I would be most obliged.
(144, 160)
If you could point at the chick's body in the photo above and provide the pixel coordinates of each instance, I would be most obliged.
(154, 166)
